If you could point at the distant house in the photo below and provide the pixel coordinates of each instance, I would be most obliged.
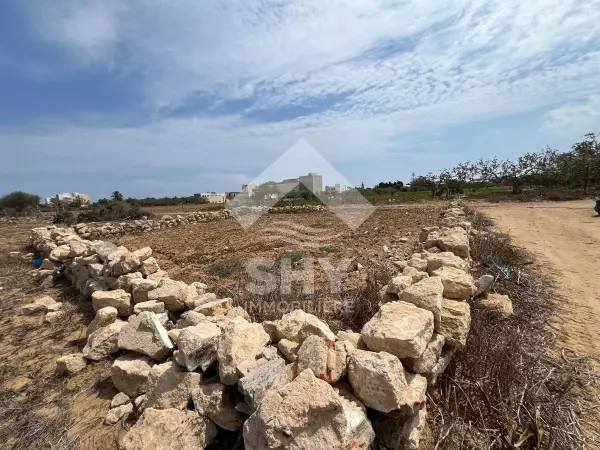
(214, 197)
(70, 197)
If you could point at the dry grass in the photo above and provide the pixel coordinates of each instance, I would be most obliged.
(39, 409)
(510, 388)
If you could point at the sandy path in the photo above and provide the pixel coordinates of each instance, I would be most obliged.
(565, 236)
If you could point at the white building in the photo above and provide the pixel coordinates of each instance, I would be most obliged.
(313, 182)
(342, 188)
(214, 197)
(248, 189)
(69, 197)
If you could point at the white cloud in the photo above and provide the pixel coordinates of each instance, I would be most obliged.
(398, 67)
(574, 119)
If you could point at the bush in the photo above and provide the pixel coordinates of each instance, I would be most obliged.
(112, 210)
(66, 217)
(19, 201)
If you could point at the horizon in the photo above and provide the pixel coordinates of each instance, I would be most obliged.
(161, 100)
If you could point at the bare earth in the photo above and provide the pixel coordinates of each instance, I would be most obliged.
(565, 236)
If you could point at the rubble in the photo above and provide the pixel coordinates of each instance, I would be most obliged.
(284, 381)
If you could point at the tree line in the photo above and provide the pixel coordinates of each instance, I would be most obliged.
(578, 168)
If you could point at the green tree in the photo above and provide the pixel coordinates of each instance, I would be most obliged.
(116, 195)
(586, 160)
(19, 201)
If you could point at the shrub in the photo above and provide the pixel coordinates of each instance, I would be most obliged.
(112, 210)
(66, 217)
(19, 201)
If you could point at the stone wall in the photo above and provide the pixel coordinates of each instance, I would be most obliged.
(289, 383)
(104, 230)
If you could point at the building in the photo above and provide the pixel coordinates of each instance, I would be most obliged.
(248, 189)
(70, 197)
(339, 188)
(287, 185)
(313, 182)
(214, 197)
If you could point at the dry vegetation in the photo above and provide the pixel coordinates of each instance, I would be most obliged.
(511, 387)
(37, 408)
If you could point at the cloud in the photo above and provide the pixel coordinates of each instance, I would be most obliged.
(357, 78)
(574, 119)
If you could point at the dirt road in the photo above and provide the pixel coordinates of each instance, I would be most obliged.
(565, 236)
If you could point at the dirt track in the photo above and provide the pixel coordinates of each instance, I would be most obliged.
(565, 236)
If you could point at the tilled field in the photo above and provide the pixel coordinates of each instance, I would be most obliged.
(216, 253)
(40, 410)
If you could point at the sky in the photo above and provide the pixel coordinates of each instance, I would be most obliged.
(164, 98)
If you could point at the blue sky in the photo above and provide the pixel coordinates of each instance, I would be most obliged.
(157, 98)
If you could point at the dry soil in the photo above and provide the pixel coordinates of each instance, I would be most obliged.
(565, 237)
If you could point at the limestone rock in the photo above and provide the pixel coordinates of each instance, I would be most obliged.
(169, 429)
(143, 253)
(151, 305)
(118, 413)
(326, 359)
(103, 249)
(158, 275)
(96, 271)
(416, 275)
(484, 284)
(54, 316)
(217, 402)
(398, 284)
(498, 304)
(418, 262)
(41, 305)
(354, 338)
(104, 317)
(190, 318)
(426, 294)
(197, 346)
(129, 373)
(239, 342)
(458, 284)
(378, 379)
(307, 414)
(173, 294)
(238, 311)
(60, 253)
(145, 334)
(149, 266)
(436, 261)
(170, 386)
(456, 322)
(259, 381)
(215, 308)
(298, 325)
(201, 299)
(126, 263)
(124, 281)
(428, 360)
(289, 349)
(118, 299)
(455, 240)
(70, 364)
(119, 400)
(104, 341)
(140, 288)
(399, 328)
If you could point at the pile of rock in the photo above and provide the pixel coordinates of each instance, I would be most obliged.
(191, 363)
(96, 230)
